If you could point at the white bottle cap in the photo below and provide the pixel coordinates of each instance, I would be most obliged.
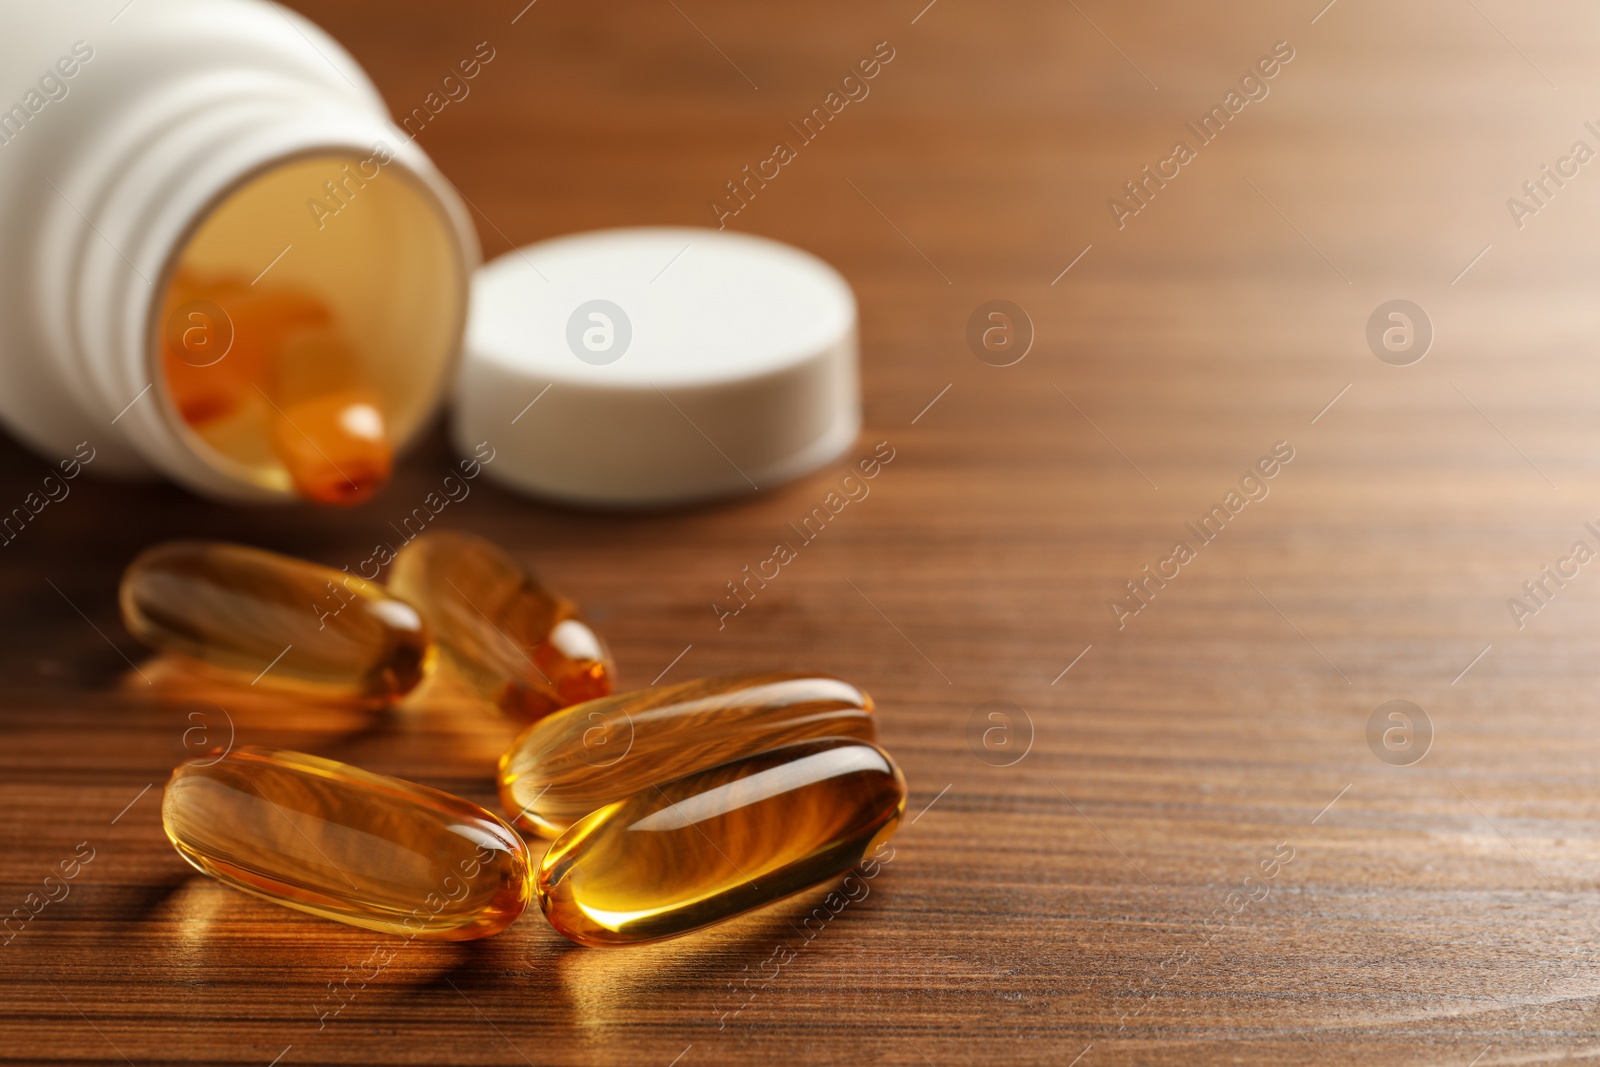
(657, 365)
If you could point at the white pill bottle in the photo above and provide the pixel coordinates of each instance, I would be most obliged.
(162, 161)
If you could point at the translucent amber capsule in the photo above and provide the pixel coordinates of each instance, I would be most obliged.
(348, 845)
(328, 430)
(518, 644)
(334, 446)
(713, 844)
(567, 765)
(222, 337)
(270, 620)
(241, 353)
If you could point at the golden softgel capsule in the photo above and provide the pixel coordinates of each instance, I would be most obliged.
(339, 842)
(519, 645)
(572, 762)
(270, 620)
(708, 846)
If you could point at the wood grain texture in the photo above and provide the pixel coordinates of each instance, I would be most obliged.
(1056, 907)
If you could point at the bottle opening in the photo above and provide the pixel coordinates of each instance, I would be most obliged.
(307, 324)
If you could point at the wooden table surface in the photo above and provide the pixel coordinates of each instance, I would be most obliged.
(1184, 841)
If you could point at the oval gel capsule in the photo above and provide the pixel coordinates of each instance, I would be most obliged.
(710, 845)
(348, 845)
(275, 621)
(588, 755)
(519, 645)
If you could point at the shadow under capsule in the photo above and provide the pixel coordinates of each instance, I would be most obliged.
(347, 972)
(496, 978)
(155, 898)
(207, 712)
(719, 969)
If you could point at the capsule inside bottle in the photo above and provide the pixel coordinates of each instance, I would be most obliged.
(283, 366)
(582, 757)
(299, 347)
(716, 843)
(273, 621)
(522, 647)
(339, 842)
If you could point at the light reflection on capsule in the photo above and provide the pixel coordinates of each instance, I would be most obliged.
(713, 844)
(582, 757)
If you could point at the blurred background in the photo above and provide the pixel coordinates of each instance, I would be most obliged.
(1105, 894)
